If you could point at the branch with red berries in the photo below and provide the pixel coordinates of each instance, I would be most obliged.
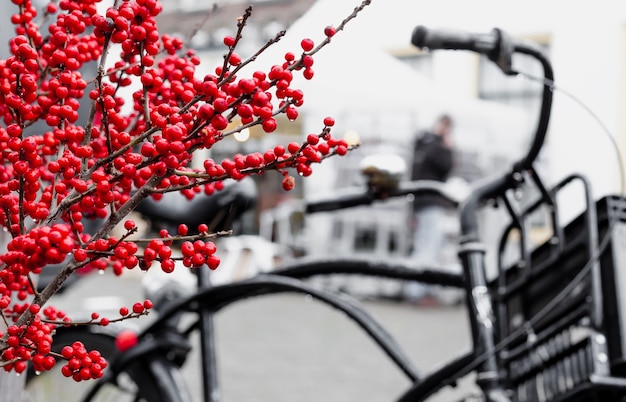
(101, 152)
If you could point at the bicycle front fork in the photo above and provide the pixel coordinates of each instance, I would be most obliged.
(482, 320)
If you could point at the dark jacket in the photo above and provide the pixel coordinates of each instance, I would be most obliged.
(432, 160)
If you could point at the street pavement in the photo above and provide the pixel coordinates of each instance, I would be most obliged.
(291, 348)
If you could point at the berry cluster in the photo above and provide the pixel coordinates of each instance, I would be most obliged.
(28, 254)
(137, 309)
(294, 155)
(73, 150)
(82, 364)
(199, 253)
(31, 342)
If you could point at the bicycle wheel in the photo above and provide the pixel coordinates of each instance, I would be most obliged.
(136, 383)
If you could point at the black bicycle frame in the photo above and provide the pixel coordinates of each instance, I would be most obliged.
(472, 250)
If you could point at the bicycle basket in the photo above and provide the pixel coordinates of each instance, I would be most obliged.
(574, 348)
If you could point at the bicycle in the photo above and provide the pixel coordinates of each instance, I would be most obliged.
(535, 336)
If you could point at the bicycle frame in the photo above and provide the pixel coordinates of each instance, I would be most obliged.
(535, 378)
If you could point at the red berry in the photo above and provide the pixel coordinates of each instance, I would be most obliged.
(125, 340)
(229, 41)
(163, 233)
(329, 121)
(269, 125)
(292, 113)
(168, 266)
(19, 367)
(329, 31)
(234, 59)
(288, 183)
(245, 110)
(138, 308)
(307, 44)
(269, 156)
(67, 352)
(67, 371)
(219, 122)
(279, 150)
(307, 61)
(293, 147)
(187, 249)
(80, 255)
(312, 139)
(213, 262)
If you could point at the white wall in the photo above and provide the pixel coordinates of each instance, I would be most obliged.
(587, 51)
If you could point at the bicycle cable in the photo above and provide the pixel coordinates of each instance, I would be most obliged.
(593, 259)
(622, 180)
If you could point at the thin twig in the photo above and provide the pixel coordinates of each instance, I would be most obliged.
(327, 39)
(198, 236)
(241, 23)
(252, 58)
(207, 15)
(94, 322)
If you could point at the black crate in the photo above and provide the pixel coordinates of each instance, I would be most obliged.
(576, 349)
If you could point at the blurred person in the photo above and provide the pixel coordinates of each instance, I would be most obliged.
(432, 160)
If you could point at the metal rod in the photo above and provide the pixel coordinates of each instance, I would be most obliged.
(210, 389)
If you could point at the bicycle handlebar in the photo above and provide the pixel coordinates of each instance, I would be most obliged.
(353, 198)
(492, 44)
(499, 48)
(453, 39)
(346, 200)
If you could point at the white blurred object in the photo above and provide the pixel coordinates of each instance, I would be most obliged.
(383, 171)
(458, 187)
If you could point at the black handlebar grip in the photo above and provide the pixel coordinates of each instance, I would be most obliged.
(440, 39)
(454, 40)
(496, 44)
